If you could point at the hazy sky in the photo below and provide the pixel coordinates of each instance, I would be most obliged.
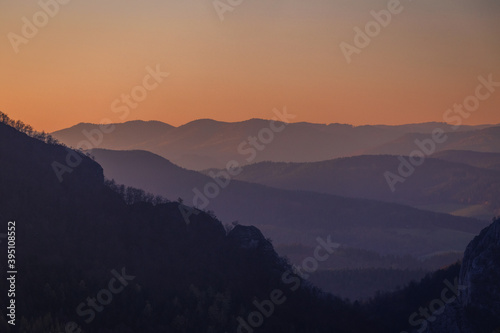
(264, 55)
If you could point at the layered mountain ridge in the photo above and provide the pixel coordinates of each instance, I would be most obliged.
(206, 143)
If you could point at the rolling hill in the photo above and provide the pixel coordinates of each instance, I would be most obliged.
(481, 140)
(474, 158)
(437, 184)
(290, 217)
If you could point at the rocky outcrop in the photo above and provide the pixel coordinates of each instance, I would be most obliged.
(251, 238)
(477, 309)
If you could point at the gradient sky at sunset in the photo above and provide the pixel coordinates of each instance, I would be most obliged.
(264, 55)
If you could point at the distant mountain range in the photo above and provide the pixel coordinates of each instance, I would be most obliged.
(206, 143)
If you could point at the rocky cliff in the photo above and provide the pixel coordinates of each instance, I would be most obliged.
(477, 309)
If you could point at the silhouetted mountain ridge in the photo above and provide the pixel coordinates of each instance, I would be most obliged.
(206, 143)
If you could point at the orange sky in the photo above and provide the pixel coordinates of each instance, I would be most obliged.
(262, 56)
